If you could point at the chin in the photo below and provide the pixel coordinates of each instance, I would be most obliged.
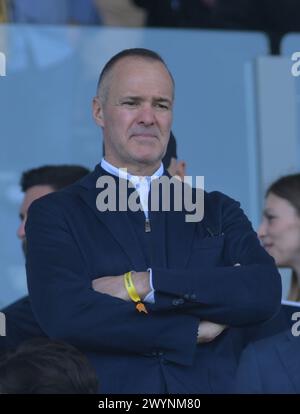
(280, 263)
(147, 159)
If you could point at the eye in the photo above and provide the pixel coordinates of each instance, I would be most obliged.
(162, 106)
(129, 103)
(270, 217)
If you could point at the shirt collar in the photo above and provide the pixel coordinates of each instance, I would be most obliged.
(118, 172)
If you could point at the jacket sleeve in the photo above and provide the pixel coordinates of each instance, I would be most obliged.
(226, 294)
(67, 307)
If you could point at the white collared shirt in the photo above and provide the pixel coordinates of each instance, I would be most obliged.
(142, 186)
(140, 183)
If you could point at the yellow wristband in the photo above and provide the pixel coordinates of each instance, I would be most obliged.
(131, 288)
(133, 293)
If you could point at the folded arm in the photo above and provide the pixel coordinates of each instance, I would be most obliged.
(114, 286)
(67, 307)
(227, 294)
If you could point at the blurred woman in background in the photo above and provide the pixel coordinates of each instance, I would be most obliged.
(280, 227)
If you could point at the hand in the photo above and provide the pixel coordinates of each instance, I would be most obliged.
(111, 285)
(114, 285)
(208, 331)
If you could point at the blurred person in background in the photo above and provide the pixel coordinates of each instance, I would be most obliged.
(178, 13)
(280, 227)
(275, 17)
(271, 365)
(35, 183)
(3, 11)
(42, 366)
(53, 12)
(120, 13)
(170, 160)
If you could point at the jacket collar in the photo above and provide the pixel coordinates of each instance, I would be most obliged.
(172, 236)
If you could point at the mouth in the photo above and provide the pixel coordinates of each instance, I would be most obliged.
(144, 136)
(268, 246)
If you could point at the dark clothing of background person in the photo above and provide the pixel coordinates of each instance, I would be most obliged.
(180, 13)
(270, 366)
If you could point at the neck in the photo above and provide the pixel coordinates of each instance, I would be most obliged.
(296, 270)
(294, 290)
(295, 266)
(137, 169)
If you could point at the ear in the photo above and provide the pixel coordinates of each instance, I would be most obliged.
(98, 111)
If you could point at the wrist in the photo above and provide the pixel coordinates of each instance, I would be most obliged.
(141, 282)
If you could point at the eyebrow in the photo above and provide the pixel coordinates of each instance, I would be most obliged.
(141, 98)
(268, 211)
(163, 100)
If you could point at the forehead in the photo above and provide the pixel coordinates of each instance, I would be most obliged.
(280, 205)
(138, 75)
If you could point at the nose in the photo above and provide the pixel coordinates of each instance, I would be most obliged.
(146, 115)
(262, 230)
(21, 230)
